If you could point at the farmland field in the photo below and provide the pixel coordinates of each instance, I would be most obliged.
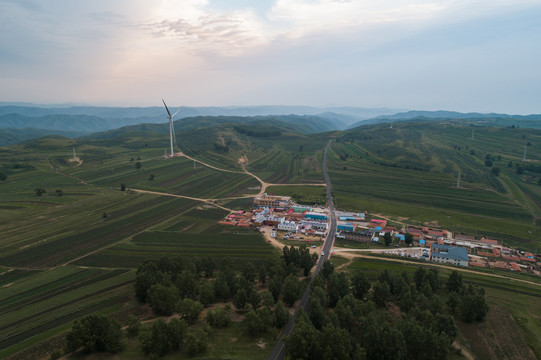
(43, 303)
(410, 173)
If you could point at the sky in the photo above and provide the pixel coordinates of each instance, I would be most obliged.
(461, 55)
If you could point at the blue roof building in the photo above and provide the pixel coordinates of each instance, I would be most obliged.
(449, 255)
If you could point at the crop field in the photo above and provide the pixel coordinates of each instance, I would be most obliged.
(45, 302)
(66, 233)
(280, 166)
(410, 173)
(513, 307)
(309, 195)
(177, 176)
(190, 234)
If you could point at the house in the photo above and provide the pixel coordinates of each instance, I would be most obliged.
(358, 234)
(312, 224)
(315, 216)
(449, 255)
(288, 226)
(377, 223)
(346, 227)
(271, 201)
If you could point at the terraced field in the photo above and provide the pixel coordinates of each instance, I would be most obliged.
(36, 306)
(410, 173)
(194, 233)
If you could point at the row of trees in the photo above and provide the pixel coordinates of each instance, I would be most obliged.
(393, 317)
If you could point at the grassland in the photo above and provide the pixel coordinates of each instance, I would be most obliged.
(506, 298)
(410, 173)
(35, 307)
(87, 242)
(64, 257)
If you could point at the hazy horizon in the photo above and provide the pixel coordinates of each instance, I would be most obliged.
(475, 56)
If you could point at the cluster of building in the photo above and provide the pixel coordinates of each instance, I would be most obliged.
(283, 214)
(445, 247)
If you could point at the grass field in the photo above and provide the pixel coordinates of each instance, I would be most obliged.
(47, 301)
(505, 297)
(410, 173)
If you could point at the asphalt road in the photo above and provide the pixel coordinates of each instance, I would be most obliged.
(278, 353)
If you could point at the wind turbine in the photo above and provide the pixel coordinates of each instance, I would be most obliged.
(171, 127)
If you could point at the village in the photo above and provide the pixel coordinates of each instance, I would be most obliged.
(288, 220)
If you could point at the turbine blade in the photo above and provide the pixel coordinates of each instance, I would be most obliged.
(176, 112)
(166, 108)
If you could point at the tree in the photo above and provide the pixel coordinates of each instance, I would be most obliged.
(157, 342)
(122, 187)
(189, 310)
(327, 270)
(495, 171)
(408, 239)
(59, 192)
(267, 299)
(254, 324)
(488, 163)
(275, 286)
(95, 334)
(302, 344)
(138, 165)
(281, 315)
(337, 288)
(419, 277)
(176, 330)
(262, 274)
(162, 299)
(240, 299)
(221, 317)
(305, 261)
(206, 293)
(221, 288)
(316, 313)
(40, 191)
(196, 344)
(387, 238)
(381, 293)
(454, 282)
(291, 290)
(3, 176)
(335, 343)
(187, 284)
(249, 272)
(151, 177)
(133, 326)
(473, 305)
(254, 299)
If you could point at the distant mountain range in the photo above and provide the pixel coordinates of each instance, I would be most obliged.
(497, 119)
(20, 121)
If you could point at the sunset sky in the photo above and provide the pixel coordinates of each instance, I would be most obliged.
(463, 55)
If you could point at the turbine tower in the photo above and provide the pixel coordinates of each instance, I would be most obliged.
(171, 127)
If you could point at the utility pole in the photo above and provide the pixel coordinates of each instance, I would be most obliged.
(524, 156)
(458, 179)
(472, 130)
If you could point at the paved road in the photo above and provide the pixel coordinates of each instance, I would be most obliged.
(278, 353)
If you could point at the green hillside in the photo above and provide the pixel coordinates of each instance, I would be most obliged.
(410, 172)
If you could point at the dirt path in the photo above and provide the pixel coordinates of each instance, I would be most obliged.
(345, 254)
(463, 350)
(207, 201)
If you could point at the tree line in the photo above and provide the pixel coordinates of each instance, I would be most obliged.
(183, 287)
(394, 317)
